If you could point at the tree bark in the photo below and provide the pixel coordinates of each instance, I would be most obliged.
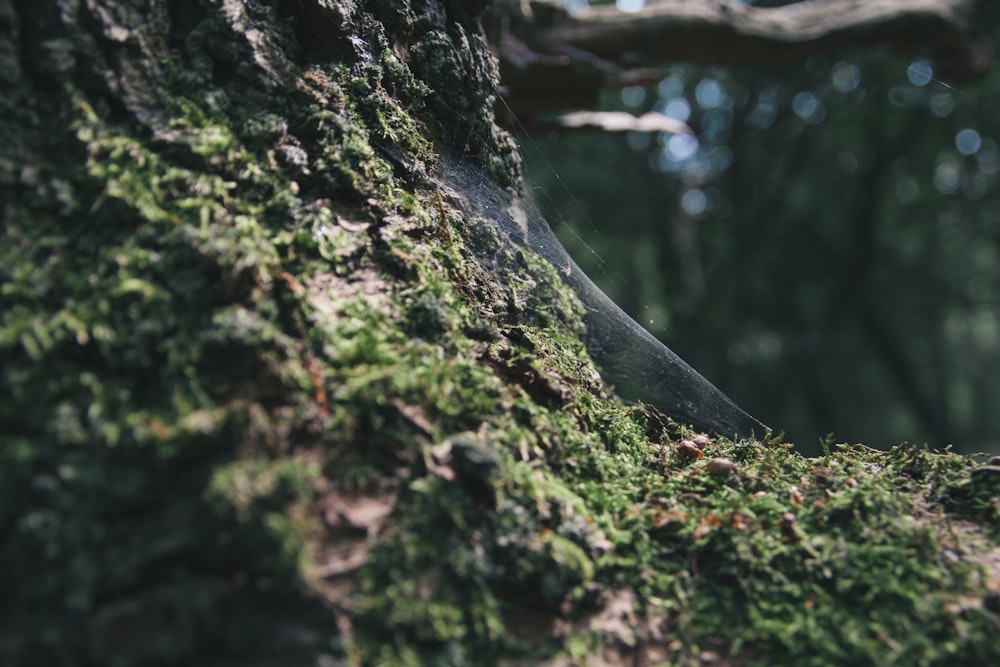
(275, 391)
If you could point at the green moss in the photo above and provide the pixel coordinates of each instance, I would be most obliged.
(587, 500)
(226, 328)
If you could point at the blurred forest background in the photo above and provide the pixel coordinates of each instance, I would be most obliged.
(825, 247)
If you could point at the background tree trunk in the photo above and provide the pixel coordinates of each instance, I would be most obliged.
(273, 393)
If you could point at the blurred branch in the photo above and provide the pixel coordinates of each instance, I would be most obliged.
(620, 121)
(553, 60)
(737, 34)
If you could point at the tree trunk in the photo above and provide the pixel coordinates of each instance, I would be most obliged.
(277, 390)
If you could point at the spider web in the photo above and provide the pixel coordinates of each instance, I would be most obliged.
(629, 358)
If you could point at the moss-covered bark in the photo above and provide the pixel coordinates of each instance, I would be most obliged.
(273, 395)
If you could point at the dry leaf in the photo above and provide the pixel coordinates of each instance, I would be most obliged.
(720, 467)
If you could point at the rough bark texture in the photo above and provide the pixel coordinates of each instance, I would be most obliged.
(272, 394)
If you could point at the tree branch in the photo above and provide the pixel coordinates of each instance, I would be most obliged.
(733, 33)
(730, 33)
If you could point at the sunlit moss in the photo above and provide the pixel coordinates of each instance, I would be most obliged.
(209, 344)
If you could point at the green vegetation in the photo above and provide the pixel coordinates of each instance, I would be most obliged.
(265, 400)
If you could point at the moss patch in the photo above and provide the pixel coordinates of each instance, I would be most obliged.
(274, 394)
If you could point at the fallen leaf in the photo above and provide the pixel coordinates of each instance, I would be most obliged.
(689, 450)
(720, 467)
